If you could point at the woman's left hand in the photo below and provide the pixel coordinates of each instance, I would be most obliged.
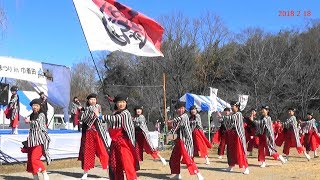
(26, 120)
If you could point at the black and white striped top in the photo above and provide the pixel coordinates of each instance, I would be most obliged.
(38, 134)
(140, 122)
(14, 105)
(195, 122)
(89, 118)
(14, 101)
(181, 125)
(223, 121)
(264, 126)
(122, 120)
(308, 125)
(291, 124)
(74, 107)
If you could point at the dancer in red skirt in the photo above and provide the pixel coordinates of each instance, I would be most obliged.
(122, 151)
(250, 131)
(38, 140)
(183, 149)
(13, 110)
(220, 136)
(291, 135)
(143, 141)
(76, 113)
(236, 141)
(200, 141)
(94, 137)
(264, 130)
(310, 138)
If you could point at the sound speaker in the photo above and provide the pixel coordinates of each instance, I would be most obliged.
(4, 93)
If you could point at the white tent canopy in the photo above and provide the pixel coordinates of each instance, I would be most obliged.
(204, 103)
(53, 80)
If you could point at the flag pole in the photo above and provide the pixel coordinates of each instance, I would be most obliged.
(94, 63)
(164, 98)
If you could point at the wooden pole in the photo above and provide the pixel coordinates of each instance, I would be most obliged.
(165, 102)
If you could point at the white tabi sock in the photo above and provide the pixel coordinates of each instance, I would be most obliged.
(283, 161)
(230, 169)
(164, 162)
(85, 175)
(315, 154)
(263, 164)
(246, 171)
(200, 177)
(307, 155)
(207, 161)
(177, 176)
(15, 131)
(45, 175)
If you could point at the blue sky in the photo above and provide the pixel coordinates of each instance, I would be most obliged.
(49, 31)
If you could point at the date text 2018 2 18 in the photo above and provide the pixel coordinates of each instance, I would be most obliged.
(290, 13)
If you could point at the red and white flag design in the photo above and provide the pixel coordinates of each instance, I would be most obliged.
(109, 25)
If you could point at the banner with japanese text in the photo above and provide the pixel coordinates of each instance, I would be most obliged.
(53, 80)
(23, 70)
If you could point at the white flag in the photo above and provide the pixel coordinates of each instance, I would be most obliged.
(213, 91)
(111, 26)
(243, 99)
(213, 97)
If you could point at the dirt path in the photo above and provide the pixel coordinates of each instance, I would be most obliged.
(296, 168)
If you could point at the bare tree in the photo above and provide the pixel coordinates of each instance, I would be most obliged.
(83, 80)
(278, 69)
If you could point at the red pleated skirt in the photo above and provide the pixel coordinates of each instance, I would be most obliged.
(200, 143)
(235, 152)
(311, 141)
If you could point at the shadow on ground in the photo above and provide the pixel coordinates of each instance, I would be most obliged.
(154, 176)
(14, 177)
(213, 169)
(74, 175)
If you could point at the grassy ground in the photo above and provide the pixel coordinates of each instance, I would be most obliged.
(296, 168)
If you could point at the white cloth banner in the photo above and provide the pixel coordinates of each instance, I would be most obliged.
(213, 91)
(213, 96)
(243, 99)
(22, 69)
(112, 31)
(53, 80)
(65, 145)
(61, 145)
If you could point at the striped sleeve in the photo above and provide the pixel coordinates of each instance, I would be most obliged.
(309, 125)
(186, 134)
(138, 121)
(198, 121)
(176, 121)
(89, 116)
(237, 119)
(38, 132)
(13, 99)
(114, 121)
(291, 122)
